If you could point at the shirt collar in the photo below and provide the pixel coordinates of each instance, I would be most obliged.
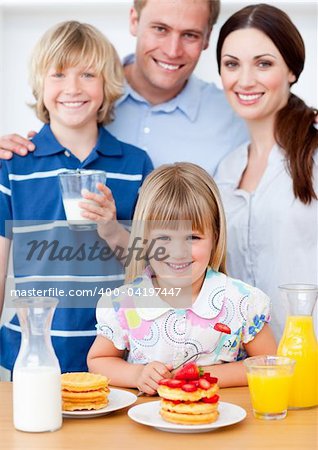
(159, 307)
(208, 304)
(188, 100)
(211, 297)
(47, 144)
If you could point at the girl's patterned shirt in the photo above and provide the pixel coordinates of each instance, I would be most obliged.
(226, 315)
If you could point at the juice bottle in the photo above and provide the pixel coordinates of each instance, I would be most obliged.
(299, 343)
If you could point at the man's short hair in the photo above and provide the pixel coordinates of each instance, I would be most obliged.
(214, 9)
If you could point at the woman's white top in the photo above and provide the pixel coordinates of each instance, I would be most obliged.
(272, 236)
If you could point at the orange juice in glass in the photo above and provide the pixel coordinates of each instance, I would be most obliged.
(299, 343)
(269, 381)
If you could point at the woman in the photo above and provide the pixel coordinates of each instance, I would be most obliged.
(269, 185)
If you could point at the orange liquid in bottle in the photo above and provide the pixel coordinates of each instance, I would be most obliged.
(299, 343)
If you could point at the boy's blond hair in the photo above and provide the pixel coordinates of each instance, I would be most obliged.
(214, 10)
(69, 44)
(171, 195)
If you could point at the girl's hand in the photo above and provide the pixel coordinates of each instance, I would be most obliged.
(150, 375)
(103, 211)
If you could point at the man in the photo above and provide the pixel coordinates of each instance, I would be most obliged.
(165, 109)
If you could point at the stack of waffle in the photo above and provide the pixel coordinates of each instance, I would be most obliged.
(83, 390)
(190, 398)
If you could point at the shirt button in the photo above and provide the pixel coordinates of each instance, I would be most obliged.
(67, 153)
(146, 130)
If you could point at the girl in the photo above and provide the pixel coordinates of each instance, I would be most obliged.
(76, 77)
(179, 300)
(269, 185)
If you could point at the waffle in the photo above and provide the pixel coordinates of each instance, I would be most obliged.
(188, 408)
(83, 381)
(190, 397)
(83, 390)
(178, 394)
(189, 419)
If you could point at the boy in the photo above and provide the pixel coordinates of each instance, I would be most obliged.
(76, 77)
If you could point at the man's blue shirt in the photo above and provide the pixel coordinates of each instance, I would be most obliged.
(198, 125)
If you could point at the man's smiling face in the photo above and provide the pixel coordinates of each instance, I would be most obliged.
(170, 38)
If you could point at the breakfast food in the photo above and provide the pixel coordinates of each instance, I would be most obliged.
(83, 390)
(190, 397)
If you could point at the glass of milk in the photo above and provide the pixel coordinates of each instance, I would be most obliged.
(37, 404)
(73, 183)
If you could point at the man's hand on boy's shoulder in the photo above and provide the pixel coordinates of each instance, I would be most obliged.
(14, 143)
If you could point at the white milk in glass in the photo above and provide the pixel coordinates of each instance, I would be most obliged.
(37, 404)
(73, 210)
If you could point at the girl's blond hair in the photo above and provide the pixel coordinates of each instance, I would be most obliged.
(173, 193)
(69, 44)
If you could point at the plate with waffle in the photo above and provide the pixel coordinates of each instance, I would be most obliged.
(87, 395)
(189, 404)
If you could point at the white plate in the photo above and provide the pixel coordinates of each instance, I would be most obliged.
(148, 414)
(118, 399)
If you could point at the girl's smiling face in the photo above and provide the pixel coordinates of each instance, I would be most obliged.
(187, 255)
(255, 77)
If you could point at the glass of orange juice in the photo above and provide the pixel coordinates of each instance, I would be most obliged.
(269, 381)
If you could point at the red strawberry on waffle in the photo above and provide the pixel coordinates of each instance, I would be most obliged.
(190, 397)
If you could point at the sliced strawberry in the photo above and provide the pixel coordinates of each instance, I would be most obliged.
(189, 387)
(175, 402)
(189, 371)
(164, 382)
(208, 377)
(172, 383)
(204, 384)
(213, 399)
(222, 328)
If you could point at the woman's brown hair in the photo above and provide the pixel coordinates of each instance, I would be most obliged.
(294, 124)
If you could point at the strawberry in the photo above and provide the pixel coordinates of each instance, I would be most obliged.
(172, 383)
(213, 399)
(189, 371)
(222, 328)
(210, 379)
(189, 387)
(164, 382)
(204, 384)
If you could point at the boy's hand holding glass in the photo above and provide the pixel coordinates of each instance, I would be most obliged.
(74, 185)
(101, 209)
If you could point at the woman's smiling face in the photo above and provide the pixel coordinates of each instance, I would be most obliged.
(255, 77)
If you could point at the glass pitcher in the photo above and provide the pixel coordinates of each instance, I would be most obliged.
(299, 343)
(36, 373)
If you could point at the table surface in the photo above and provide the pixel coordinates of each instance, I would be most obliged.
(117, 431)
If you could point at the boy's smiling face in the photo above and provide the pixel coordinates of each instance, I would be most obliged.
(73, 96)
